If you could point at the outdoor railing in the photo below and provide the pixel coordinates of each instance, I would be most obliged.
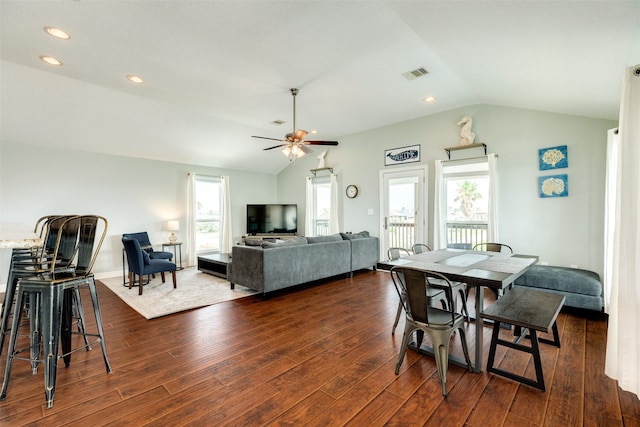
(464, 235)
(322, 227)
(460, 235)
(401, 234)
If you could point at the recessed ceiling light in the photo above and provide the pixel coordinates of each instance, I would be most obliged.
(57, 33)
(50, 60)
(429, 99)
(135, 79)
(313, 132)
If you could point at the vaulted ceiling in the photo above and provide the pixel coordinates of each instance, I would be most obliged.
(217, 72)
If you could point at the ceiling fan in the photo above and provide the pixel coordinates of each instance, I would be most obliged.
(294, 142)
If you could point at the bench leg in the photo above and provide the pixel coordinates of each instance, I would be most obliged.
(534, 350)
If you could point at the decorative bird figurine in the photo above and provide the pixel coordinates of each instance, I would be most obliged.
(321, 157)
(467, 136)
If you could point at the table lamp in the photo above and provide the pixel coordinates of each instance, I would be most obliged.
(173, 226)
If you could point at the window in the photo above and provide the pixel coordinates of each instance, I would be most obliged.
(466, 194)
(321, 209)
(207, 214)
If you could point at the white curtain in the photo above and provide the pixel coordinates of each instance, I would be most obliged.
(225, 217)
(309, 228)
(492, 220)
(623, 335)
(334, 224)
(611, 206)
(439, 213)
(191, 223)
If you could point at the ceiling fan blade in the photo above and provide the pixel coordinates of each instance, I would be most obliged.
(264, 137)
(321, 142)
(275, 146)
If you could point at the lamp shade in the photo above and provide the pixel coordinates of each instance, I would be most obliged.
(173, 225)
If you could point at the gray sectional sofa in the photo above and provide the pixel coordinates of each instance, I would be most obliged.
(279, 265)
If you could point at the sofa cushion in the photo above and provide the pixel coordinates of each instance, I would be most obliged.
(294, 241)
(351, 236)
(323, 239)
(252, 241)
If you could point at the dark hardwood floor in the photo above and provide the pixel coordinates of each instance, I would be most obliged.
(324, 356)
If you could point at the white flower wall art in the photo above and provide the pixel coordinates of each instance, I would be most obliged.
(553, 186)
(553, 157)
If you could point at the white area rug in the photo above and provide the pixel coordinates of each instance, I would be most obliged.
(195, 289)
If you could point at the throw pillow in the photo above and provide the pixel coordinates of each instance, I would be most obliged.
(295, 241)
(145, 258)
(323, 239)
(252, 241)
(351, 236)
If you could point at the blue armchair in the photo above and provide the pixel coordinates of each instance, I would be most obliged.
(143, 238)
(141, 263)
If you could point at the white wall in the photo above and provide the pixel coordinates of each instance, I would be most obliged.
(561, 231)
(136, 195)
(133, 194)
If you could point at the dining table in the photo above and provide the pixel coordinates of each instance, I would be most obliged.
(494, 270)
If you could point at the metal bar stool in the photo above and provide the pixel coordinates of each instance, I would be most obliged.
(46, 312)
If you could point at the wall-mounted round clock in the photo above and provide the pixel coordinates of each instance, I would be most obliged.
(352, 191)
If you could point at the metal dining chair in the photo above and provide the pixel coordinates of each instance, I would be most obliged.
(434, 294)
(493, 247)
(419, 248)
(412, 286)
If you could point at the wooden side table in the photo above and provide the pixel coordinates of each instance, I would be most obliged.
(177, 252)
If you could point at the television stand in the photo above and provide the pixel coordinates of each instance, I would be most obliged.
(270, 236)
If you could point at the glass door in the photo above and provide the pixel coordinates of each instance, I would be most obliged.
(403, 210)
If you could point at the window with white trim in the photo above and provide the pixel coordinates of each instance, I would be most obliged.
(207, 214)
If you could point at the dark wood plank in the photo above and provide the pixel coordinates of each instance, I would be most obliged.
(317, 355)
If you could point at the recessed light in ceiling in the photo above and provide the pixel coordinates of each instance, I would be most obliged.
(135, 79)
(313, 132)
(429, 99)
(50, 60)
(57, 33)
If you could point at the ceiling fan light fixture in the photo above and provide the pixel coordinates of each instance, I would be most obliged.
(286, 151)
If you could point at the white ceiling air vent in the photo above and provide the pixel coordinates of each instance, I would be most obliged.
(414, 74)
(278, 122)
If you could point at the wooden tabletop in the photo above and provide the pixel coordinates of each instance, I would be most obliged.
(14, 236)
(490, 269)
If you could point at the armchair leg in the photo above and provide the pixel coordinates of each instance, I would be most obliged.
(173, 274)
(162, 275)
(141, 284)
(130, 280)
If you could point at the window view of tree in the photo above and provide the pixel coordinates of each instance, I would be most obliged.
(467, 210)
(467, 199)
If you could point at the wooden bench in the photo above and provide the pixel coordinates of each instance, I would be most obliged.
(524, 309)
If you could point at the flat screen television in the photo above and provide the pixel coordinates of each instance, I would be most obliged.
(272, 218)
